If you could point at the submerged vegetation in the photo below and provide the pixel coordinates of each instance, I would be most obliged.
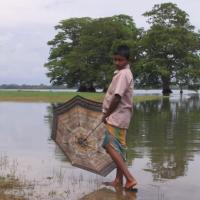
(10, 185)
(7, 185)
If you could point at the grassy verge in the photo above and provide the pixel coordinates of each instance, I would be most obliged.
(58, 97)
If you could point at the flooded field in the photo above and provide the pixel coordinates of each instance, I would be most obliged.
(164, 154)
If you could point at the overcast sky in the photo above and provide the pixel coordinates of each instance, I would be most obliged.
(27, 25)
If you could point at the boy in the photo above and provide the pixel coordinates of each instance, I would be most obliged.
(117, 112)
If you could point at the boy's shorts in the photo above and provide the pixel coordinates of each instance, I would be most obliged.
(116, 137)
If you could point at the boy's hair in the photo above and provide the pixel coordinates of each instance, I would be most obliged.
(122, 50)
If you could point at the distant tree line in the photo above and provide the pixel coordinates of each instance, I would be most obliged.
(165, 54)
(24, 86)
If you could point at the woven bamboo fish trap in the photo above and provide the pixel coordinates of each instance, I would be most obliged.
(73, 121)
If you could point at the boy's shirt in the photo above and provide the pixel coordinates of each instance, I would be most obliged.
(122, 84)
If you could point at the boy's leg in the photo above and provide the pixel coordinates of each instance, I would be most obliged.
(118, 179)
(130, 180)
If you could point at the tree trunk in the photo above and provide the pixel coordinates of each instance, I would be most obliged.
(166, 86)
(91, 88)
(82, 88)
(85, 88)
(105, 89)
(181, 89)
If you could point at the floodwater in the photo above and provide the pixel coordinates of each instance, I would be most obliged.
(163, 155)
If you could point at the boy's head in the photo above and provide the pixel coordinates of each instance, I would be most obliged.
(121, 56)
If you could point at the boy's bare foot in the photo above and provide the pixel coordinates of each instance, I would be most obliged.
(130, 184)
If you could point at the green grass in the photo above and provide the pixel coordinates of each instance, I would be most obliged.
(58, 97)
(138, 99)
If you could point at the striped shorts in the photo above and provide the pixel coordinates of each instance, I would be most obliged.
(116, 137)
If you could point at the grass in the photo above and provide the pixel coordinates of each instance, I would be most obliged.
(58, 97)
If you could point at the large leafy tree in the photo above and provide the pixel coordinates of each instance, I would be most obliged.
(81, 52)
(170, 49)
(64, 42)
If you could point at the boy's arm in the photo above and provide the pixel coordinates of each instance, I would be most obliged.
(113, 105)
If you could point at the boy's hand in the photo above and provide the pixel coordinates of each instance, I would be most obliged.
(103, 119)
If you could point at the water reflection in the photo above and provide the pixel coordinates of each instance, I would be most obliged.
(118, 193)
(168, 133)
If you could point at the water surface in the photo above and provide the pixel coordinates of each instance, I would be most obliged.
(164, 152)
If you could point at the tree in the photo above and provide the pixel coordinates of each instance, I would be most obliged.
(170, 49)
(81, 51)
(64, 42)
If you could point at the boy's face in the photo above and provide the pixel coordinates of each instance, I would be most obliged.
(120, 61)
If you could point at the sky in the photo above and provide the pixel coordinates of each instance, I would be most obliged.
(27, 25)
